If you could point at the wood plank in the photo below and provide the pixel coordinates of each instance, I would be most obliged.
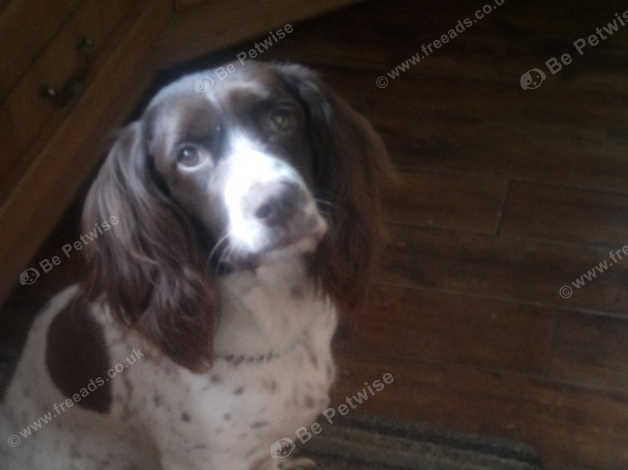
(423, 325)
(507, 267)
(427, 325)
(29, 215)
(561, 213)
(591, 350)
(454, 143)
(569, 424)
(190, 37)
(488, 131)
(447, 201)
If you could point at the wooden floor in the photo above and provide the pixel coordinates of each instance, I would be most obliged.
(507, 196)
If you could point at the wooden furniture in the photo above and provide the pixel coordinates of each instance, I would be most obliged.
(74, 69)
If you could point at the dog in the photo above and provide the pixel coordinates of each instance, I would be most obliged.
(237, 222)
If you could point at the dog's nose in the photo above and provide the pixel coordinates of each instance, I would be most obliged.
(281, 203)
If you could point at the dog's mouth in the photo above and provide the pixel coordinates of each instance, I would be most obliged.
(298, 238)
(306, 232)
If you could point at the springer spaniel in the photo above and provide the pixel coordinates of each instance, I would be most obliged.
(241, 219)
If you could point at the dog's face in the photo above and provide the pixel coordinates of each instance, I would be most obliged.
(267, 163)
(238, 159)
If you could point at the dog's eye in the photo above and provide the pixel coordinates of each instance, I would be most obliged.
(188, 156)
(282, 120)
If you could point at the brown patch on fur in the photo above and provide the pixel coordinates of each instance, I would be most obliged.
(77, 356)
(238, 391)
(351, 167)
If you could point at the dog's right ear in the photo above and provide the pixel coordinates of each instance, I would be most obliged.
(351, 169)
(148, 262)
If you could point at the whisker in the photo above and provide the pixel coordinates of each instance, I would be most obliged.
(217, 245)
(224, 257)
(325, 202)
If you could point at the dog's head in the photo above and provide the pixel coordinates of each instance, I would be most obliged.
(266, 164)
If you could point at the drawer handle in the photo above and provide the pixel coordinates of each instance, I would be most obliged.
(70, 90)
(85, 45)
(75, 86)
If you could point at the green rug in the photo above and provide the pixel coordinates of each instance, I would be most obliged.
(369, 443)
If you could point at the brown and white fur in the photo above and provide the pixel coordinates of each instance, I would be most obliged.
(242, 219)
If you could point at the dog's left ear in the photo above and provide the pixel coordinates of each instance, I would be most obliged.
(351, 168)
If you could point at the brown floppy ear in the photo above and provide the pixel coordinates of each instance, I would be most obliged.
(150, 264)
(351, 166)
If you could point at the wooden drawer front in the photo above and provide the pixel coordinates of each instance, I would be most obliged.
(37, 197)
(62, 61)
(26, 26)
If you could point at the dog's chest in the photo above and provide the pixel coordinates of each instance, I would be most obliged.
(266, 397)
(263, 403)
(271, 376)
(242, 405)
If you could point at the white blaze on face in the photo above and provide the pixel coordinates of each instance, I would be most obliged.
(249, 166)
